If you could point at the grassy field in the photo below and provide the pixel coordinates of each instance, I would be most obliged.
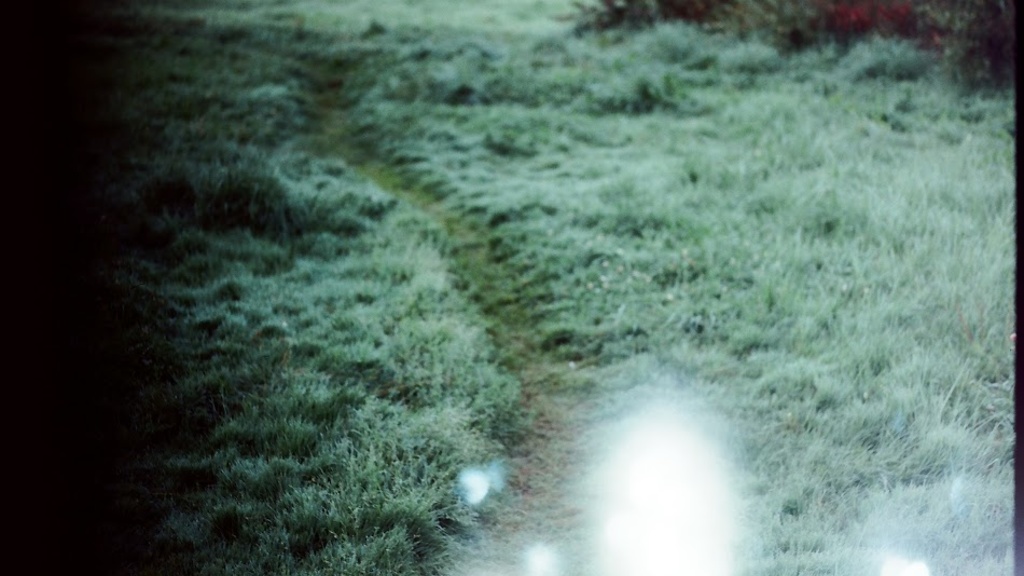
(335, 253)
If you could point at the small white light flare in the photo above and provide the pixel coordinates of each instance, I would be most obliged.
(958, 502)
(898, 566)
(670, 511)
(541, 560)
(476, 483)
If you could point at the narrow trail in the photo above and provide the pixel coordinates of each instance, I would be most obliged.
(550, 457)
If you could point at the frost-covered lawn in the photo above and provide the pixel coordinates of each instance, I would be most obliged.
(346, 251)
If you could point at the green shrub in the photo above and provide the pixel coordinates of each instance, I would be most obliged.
(679, 44)
(885, 59)
(787, 23)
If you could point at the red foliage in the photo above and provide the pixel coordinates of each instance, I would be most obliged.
(898, 19)
(863, 16)
(848, 19)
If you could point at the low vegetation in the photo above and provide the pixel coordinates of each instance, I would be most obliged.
(977, 38)
(328, 267)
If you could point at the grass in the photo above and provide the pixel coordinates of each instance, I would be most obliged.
(334, 266)
(292, 381)
(794, 241)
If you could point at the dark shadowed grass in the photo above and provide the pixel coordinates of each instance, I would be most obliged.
(285, 378)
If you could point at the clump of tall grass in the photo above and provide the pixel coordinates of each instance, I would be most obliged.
(750, 58)
(247, 194)
(886, 59)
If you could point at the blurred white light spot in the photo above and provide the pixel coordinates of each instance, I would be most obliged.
(670, 511)
(917, 569)
(476, 483)
(541, 560)
(897, 566)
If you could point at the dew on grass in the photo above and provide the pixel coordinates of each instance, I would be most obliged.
(475, 483)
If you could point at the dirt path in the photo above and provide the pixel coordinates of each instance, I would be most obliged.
(539, 511)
